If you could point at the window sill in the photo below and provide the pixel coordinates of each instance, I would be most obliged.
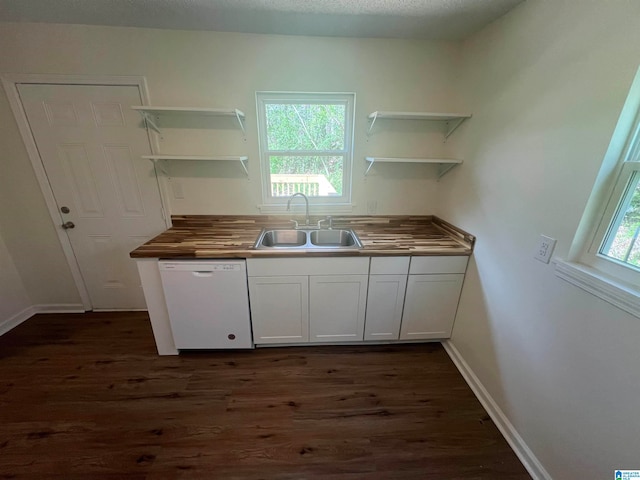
(313, 209)
(622, 295)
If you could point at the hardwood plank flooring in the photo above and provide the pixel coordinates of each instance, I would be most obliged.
(86, 396)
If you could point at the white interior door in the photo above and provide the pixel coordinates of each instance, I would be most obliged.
(90, 144)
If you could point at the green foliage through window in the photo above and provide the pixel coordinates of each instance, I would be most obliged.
(625, 245)
(305, 127)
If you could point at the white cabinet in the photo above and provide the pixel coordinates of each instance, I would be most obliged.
(431, 301)
(296, 300)
(279, 309)
(384, 306)
(385, 300)
(337, 306)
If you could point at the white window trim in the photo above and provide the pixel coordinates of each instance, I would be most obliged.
(593, 256)
(585, 267)
(318, 205)
(623, 296)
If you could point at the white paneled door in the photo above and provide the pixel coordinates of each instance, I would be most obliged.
(108, 198)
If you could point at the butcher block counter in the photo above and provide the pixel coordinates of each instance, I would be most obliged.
(233, 236)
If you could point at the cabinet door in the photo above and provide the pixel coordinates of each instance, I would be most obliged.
(430, 306)
(337, 306)
(384, 307)
(279, 309)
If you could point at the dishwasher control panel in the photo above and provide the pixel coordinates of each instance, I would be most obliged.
(202, 267)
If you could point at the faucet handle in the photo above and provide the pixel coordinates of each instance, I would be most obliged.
(295, 224)
(328, 219)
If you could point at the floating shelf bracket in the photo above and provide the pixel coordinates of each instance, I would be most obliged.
(371, 161)
(150, 121)
(444, 168)
(373, 117)
(159, 165)
(452, 125)
(239, 117)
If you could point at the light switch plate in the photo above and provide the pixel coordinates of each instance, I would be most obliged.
(176, 186)
(545, 248)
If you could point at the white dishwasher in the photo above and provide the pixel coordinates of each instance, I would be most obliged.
(208, 303)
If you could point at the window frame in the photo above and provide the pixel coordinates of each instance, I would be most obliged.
(627, 166)
(321, 98)
(586, 268)
(624, 188)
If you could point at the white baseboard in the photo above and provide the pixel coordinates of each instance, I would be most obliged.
(524, 453)
(59, 308)
(15, 320)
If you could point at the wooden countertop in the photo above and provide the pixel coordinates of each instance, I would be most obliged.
(233, 236)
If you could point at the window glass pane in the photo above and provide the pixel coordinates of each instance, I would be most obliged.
(625, 244)
(305, 127)
(314, 176)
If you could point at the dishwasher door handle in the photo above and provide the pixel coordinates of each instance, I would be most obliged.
(202, 274)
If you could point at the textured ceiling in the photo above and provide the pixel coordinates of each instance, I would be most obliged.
(429, 19)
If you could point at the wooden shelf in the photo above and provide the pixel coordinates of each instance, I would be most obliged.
(444, 164)
(453, 120)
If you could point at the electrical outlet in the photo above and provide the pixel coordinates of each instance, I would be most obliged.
(176, 186)
(372, 207)
(545, 249)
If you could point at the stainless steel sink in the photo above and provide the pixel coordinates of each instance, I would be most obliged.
(307, 239)
(334, 238)
(284, 238)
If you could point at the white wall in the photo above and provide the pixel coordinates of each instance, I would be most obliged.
(13, 296)
(546, 84)
(225, 70)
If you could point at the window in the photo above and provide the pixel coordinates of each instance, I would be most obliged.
(621, 243)
(306, 146)
(615, 245)
(605, 255)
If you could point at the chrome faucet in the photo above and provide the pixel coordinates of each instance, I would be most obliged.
(306, 201)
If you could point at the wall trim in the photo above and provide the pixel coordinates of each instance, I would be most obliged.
(523, 452)
(25, 314)
(15, 320)
(591, 280)
(59, 308)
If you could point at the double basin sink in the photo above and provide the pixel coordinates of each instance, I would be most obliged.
(307, 239)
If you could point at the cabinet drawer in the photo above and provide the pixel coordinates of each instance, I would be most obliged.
(430, 265)
(389, 265)
(270, 267)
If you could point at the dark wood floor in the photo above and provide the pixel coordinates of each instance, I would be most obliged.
(86, 397)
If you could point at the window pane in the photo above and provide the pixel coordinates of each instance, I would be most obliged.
(625, 244)
(314, 176)
(305, 127)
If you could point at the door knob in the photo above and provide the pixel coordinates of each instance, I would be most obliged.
(68, 225)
